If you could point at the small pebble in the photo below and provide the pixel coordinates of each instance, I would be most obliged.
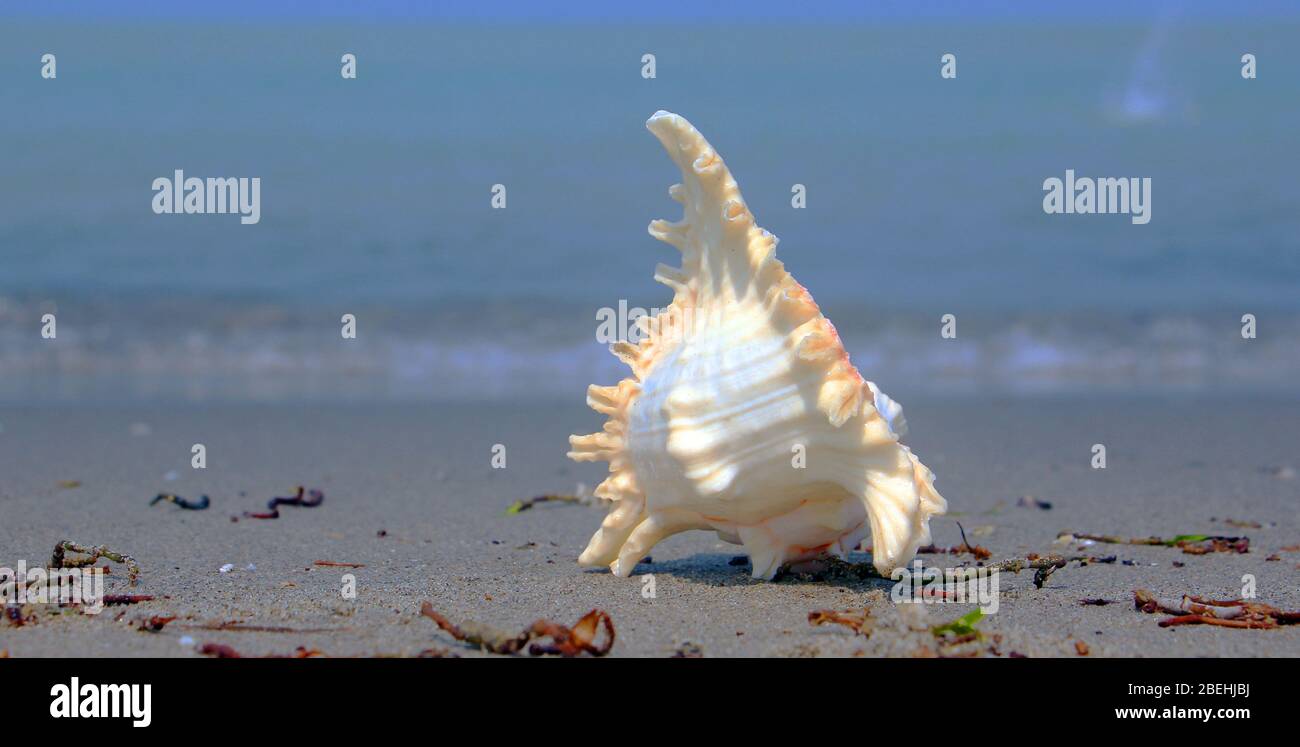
(228, 567)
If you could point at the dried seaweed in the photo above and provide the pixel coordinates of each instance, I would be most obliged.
(59, 558)
(304, 498)
(155, 623)
(523, 505)
(1192, 544)
(111, 600)
(980, 553)
(1229, 613)
(17, 615)
(202, 503)
(222, 651)
(961, 627)
(688, 650)
(1028, 501)
(859, 621)
(565, 641)
(237, 626)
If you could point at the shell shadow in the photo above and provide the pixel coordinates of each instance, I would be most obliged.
(722, 569)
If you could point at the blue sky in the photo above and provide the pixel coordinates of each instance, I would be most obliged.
(653, 10)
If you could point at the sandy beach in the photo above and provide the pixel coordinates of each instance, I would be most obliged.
(411, 495)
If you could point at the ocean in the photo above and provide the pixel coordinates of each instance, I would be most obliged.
(924, 198)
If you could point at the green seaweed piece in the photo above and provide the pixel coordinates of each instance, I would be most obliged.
(964, 625)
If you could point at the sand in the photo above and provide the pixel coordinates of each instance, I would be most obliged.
(422, 474)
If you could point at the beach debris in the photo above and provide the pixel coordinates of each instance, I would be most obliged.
(565, 641)
(304, 497)
(962, 626)
(859, 620)
(227, 568)
(198, 505)
(1192, 544)
(241, 627)
(1095, 602)
(18, 615)
(835, 569)
(332, 564)
(1229, 613)
(1028, 501)
(112, 600)
(1282, 472)
(69, 484)
(155, 623)
(524, 505)
(1081, 648)
(766, 367)
(960, 639)
(688, 650)
(1043, 567)
(980, 553)
(59, 558)
(222, 651)
(1241, 523)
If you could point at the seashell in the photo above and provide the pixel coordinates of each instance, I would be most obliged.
(729, 384)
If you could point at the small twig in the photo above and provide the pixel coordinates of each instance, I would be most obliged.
(524, 505)
(332, 564)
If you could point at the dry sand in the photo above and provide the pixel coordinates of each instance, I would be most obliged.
(422, 474)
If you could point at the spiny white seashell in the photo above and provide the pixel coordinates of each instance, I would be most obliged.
(731, 383)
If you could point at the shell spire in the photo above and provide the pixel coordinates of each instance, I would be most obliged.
(719, 241)
(738, 373)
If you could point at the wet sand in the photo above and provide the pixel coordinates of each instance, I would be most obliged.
(421, 474)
